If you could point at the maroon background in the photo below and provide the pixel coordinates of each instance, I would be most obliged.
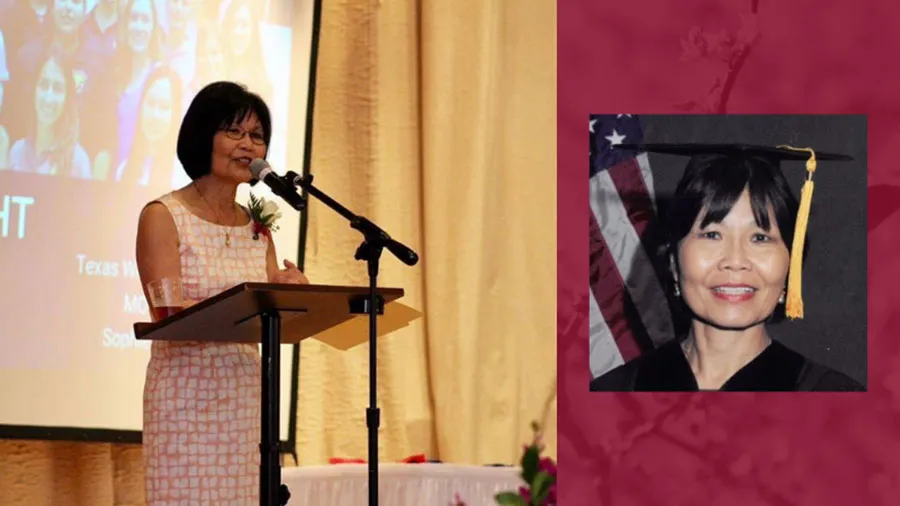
(729, 449)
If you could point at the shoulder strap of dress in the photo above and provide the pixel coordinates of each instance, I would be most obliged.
(176, 210)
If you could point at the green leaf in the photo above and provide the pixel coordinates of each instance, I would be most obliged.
(540, 487)
(510, 499)
(531, 460)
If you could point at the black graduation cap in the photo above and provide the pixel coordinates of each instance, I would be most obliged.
(774, 153)
(777, 154)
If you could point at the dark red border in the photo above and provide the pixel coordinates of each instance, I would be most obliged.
(728, 449)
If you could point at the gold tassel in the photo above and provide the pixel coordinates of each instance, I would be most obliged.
(794, 304)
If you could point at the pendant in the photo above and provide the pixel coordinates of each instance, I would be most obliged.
(227, 240)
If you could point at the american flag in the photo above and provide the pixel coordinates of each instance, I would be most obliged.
(629, 310)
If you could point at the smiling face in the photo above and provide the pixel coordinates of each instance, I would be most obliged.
(68, 14)
(156, 111)
(235, 146)
(732, 273)
(50, 93)
(140, 25)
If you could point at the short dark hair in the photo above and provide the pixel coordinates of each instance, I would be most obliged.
(218, 105)
(713, 183)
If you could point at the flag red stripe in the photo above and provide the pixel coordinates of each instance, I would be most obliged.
(608, 289)
(629, 182)
(632, 189)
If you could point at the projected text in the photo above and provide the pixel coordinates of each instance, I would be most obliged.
(129, 267)
(88, 267)
(106, 268)
(136, 304)
(13, 214)
(122, 340)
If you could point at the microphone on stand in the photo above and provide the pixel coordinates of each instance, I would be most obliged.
(261, 170)
(403, 253)
(375, 240)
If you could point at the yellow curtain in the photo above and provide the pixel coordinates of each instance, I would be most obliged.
(436, 119)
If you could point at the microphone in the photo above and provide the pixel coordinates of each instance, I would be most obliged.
(261, 170)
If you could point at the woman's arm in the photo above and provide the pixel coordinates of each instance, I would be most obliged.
(157, 246)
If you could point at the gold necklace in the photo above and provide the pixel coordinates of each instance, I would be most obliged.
(213, 209)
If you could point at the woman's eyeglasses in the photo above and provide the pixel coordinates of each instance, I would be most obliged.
(238, 134)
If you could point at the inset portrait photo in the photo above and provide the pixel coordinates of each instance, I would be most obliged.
(728, 253)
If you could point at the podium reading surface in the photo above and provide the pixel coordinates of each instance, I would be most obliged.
(319, 311)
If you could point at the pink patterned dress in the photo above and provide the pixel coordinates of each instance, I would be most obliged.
(202, 400)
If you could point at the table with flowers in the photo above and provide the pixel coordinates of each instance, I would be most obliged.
(400, 484)
(419, 482)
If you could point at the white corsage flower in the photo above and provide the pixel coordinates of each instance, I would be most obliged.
(264, 214)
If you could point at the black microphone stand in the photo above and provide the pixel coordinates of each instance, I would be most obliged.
(375, 240)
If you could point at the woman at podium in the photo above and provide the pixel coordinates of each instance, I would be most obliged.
(202, 399)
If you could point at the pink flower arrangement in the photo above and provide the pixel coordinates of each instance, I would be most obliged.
(538, 473)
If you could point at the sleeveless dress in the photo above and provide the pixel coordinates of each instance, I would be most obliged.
(202, 400)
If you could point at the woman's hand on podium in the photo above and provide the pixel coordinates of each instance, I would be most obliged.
(290, 275)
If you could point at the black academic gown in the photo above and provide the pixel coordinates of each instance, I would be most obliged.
(776, 369)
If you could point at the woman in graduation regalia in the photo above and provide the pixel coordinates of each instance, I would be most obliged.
(734, 248)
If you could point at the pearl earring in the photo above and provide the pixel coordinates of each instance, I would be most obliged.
(781, 299)
(677, 289)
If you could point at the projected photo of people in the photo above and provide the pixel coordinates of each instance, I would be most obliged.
(139, 49)
(240, 29)
(108, 49)
(20, 20)
(210, 57)
(180, 36)
(58, 32)
(50, 144)
(151, 160)
(93, 91)
(98, 41)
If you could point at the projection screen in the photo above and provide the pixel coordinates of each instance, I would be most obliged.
(85, 87)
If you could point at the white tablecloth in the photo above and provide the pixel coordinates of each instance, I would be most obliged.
(399, 484)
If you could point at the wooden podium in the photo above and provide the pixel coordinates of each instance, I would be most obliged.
(274, 314)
